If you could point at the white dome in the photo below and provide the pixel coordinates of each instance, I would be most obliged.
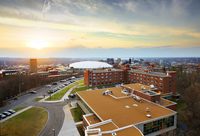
(90, 65)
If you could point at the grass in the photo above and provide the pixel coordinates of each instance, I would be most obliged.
(60, 94)
(38, 99)
(78, 89)
(19, 108)
(77, 114)
(28, 123)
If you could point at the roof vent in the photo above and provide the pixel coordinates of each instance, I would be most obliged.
(107, 92)
(114, 134)
(152, 86)
(135, 105)
(148, 115)
(127, 106)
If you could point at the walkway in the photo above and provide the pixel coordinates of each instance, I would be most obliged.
(69, 126)
(62, 99)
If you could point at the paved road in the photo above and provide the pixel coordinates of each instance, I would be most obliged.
(55, 110)
(55, 120)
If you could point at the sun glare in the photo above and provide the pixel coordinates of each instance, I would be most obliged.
(37, 44)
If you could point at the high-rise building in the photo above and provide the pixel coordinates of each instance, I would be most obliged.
(33, 65)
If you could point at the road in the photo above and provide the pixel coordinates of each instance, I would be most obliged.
(55, 110)
(55, 120)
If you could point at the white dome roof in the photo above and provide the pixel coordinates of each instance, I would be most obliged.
(90, 65)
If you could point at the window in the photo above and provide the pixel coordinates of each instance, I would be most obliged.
(158, 125)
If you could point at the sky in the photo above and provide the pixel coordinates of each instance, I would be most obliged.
(99, 28)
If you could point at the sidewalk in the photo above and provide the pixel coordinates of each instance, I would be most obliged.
(16, 114)
(62, 99)
(69, 126)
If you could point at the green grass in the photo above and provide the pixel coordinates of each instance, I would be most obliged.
(78, 89)
(19, 108)
(59, 95)
(28, 123)
(77, 114)
(38, 99)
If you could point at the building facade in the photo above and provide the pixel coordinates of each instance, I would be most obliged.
(163, 82)
(103, 77)
(33, 65)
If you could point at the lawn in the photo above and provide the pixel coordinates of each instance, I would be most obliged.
(77, 114)
(78, 89)
(28, 123)
(19, 108)
(38, 99)
(60, 94)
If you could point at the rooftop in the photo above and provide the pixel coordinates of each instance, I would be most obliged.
(105, 70)
(159, 74)
(90, 65)
(123, 111)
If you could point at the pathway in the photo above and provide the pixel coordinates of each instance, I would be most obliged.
(69, 126)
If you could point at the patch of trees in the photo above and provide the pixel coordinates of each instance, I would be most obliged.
(188, 85)
(11, 87)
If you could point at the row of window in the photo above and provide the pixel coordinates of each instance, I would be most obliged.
(158, 125)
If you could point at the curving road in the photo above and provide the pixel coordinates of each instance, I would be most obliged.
(55, 110)
(55, 120)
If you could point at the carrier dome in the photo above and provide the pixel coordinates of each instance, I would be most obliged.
(90, 65)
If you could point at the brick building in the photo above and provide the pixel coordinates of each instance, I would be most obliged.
(164, 82)
(103, 77)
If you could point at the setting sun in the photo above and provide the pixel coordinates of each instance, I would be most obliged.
(37, 44)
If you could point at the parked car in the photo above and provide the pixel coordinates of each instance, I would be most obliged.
(33, 92)
(2, 116)
(16, 98)
(7, 113)
(72, 96)
(50, 91)
(54, 83)
(11, 111)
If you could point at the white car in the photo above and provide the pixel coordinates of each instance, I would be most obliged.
(7, 113)
(2, 116)
(11, 111)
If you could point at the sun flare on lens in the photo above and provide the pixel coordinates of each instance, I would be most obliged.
(37, 44)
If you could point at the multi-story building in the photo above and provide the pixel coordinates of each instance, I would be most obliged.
(164, 82)
(103, 77)
(128, 110)
(33, 65)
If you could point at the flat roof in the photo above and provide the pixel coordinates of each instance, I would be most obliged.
(165, 102)
(92, 119)
(106, 70)
(159, 74)
(137, 86)
(124, 111)
(142, 88)
(107, 127)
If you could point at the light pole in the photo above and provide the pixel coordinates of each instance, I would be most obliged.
(54, 132)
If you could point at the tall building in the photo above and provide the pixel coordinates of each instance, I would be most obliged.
(128, 110)
(33, 65)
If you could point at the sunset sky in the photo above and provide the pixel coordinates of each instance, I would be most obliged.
(99, 28)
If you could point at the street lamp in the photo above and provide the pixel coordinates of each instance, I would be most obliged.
(54, 132)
